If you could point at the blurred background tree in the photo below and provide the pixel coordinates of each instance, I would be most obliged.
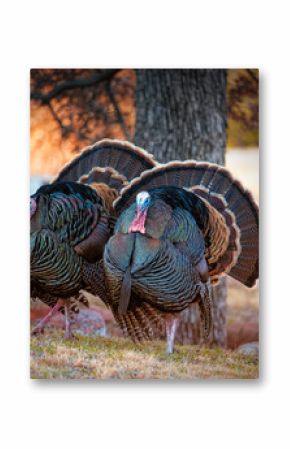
(182, 114)
(72, 108)
(243, 108)
(175, 114)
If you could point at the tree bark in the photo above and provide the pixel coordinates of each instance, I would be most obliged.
(182, 114)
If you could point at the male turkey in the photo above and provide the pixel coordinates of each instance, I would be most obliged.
(183, 226)
(72, 219)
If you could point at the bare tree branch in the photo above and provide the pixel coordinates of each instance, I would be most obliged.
(55, 116)
(66, 130)
(73, 84)
(253, 75)
(119, 114)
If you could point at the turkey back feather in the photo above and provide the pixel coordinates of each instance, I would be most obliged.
(142, 322)
(232, 229)
(124, 157)
(72, 218)
(125, 292)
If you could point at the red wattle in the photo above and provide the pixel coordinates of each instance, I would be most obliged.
(138, 224)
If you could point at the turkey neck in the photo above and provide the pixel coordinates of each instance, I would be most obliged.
(138, 224)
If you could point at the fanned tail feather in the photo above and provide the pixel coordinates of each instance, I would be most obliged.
(232, 236)
(105, 175)
(124, 157)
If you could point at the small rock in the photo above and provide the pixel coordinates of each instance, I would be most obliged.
(249, 349)
(89, 322)
(242, 333)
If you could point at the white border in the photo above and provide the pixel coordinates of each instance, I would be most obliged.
(240, 414)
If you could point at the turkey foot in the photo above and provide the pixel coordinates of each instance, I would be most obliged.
(171, 323)
(41, 325)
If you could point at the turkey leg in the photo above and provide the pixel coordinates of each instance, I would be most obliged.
(171, 325)
(68, 332)
(41, 325)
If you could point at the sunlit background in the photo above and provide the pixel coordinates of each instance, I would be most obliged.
(65, 121)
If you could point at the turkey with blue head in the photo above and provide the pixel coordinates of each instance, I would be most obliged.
(71, 220)
(182, 226)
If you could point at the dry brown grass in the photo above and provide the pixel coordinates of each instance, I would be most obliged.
(52, 357)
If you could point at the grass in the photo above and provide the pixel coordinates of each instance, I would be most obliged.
(52, 357)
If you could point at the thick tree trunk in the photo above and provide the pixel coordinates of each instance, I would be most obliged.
(181, 114)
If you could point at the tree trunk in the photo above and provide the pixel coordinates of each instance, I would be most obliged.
(181, 114)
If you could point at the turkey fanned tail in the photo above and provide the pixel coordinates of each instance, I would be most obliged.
(125, 158)
(232, 229)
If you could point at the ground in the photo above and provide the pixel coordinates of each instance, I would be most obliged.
(53, 357)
